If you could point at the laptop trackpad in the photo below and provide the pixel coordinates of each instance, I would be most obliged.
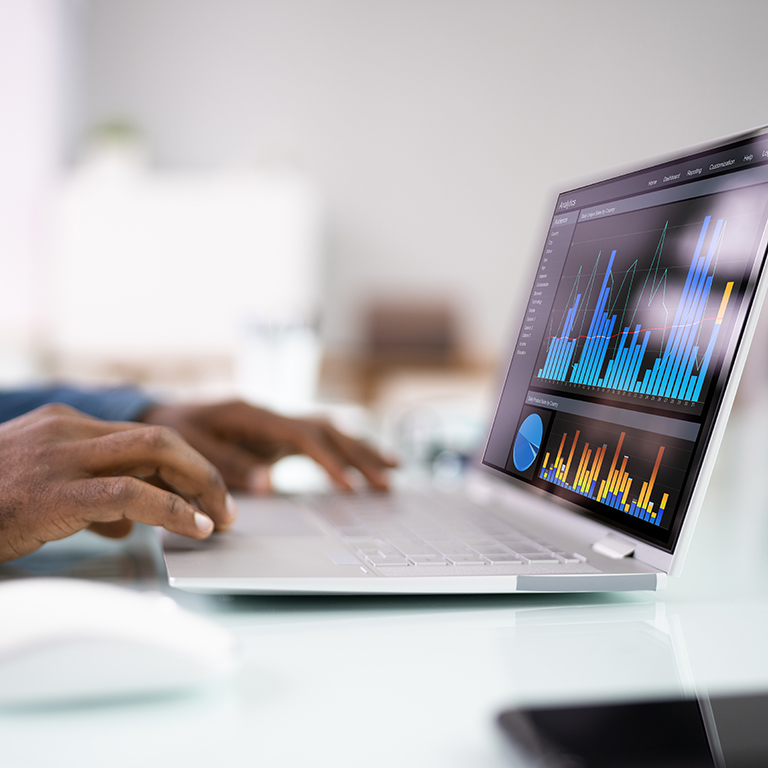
(283, 521)
(257, 518)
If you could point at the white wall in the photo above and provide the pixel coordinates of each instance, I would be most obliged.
(29, 94)
(438, 129)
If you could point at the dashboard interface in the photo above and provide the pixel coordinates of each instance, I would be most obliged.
(629, 335)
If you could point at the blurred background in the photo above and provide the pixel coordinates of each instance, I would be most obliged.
(325, 201)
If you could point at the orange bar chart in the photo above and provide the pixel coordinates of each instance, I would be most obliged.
(582, 475)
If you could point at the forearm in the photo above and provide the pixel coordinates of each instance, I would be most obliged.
(113, 404)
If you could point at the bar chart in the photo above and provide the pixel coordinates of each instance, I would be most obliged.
(669, 360)
(632, 472)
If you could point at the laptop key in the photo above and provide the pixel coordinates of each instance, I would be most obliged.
(382, 562)
(363, 541)
(467, 560)
(541, 557)
(427, 560)
(382, 551)
(506, 559)
(491, 551)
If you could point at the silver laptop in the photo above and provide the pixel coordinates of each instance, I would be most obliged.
(614, 404)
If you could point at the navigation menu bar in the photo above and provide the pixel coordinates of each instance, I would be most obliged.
(706, 164)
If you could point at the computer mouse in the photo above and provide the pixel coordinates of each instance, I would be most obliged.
(71, 640)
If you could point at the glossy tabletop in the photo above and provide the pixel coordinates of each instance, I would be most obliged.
(380, 681)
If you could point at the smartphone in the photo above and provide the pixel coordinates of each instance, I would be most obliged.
(718, 732)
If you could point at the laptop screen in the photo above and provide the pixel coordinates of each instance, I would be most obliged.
(637, 309)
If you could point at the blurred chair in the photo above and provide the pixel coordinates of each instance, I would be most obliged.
(407, 335)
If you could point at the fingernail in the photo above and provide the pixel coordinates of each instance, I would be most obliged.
(231, 507)
(258, 480)
(203, 522)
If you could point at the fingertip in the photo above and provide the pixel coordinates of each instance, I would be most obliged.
(387, 459)
(378, 481)
(204, 523)
(343, 484)
(231, 514)
(232, 510)
(259, 480)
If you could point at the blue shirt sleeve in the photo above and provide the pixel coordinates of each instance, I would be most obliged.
(114, 404)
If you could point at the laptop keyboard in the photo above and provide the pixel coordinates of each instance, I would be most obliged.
(387, 531)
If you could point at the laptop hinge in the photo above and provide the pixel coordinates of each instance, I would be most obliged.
(614, 547)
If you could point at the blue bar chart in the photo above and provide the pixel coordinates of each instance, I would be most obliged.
(667, 361)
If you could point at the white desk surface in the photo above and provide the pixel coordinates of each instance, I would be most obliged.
(364, 681)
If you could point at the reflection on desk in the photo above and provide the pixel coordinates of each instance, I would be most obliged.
(342, 680)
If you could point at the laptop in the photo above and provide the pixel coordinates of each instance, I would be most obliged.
(615, 400)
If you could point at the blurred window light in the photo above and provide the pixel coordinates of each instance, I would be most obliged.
(149, 262)
(30, 52)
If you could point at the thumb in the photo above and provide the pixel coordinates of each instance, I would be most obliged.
(116, 529)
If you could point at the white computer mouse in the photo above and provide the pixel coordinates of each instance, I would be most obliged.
(70, 640)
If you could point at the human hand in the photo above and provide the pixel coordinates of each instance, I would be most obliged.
(63, 471)
(243, 441)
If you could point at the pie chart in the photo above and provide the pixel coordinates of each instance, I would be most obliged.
(527, 442)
